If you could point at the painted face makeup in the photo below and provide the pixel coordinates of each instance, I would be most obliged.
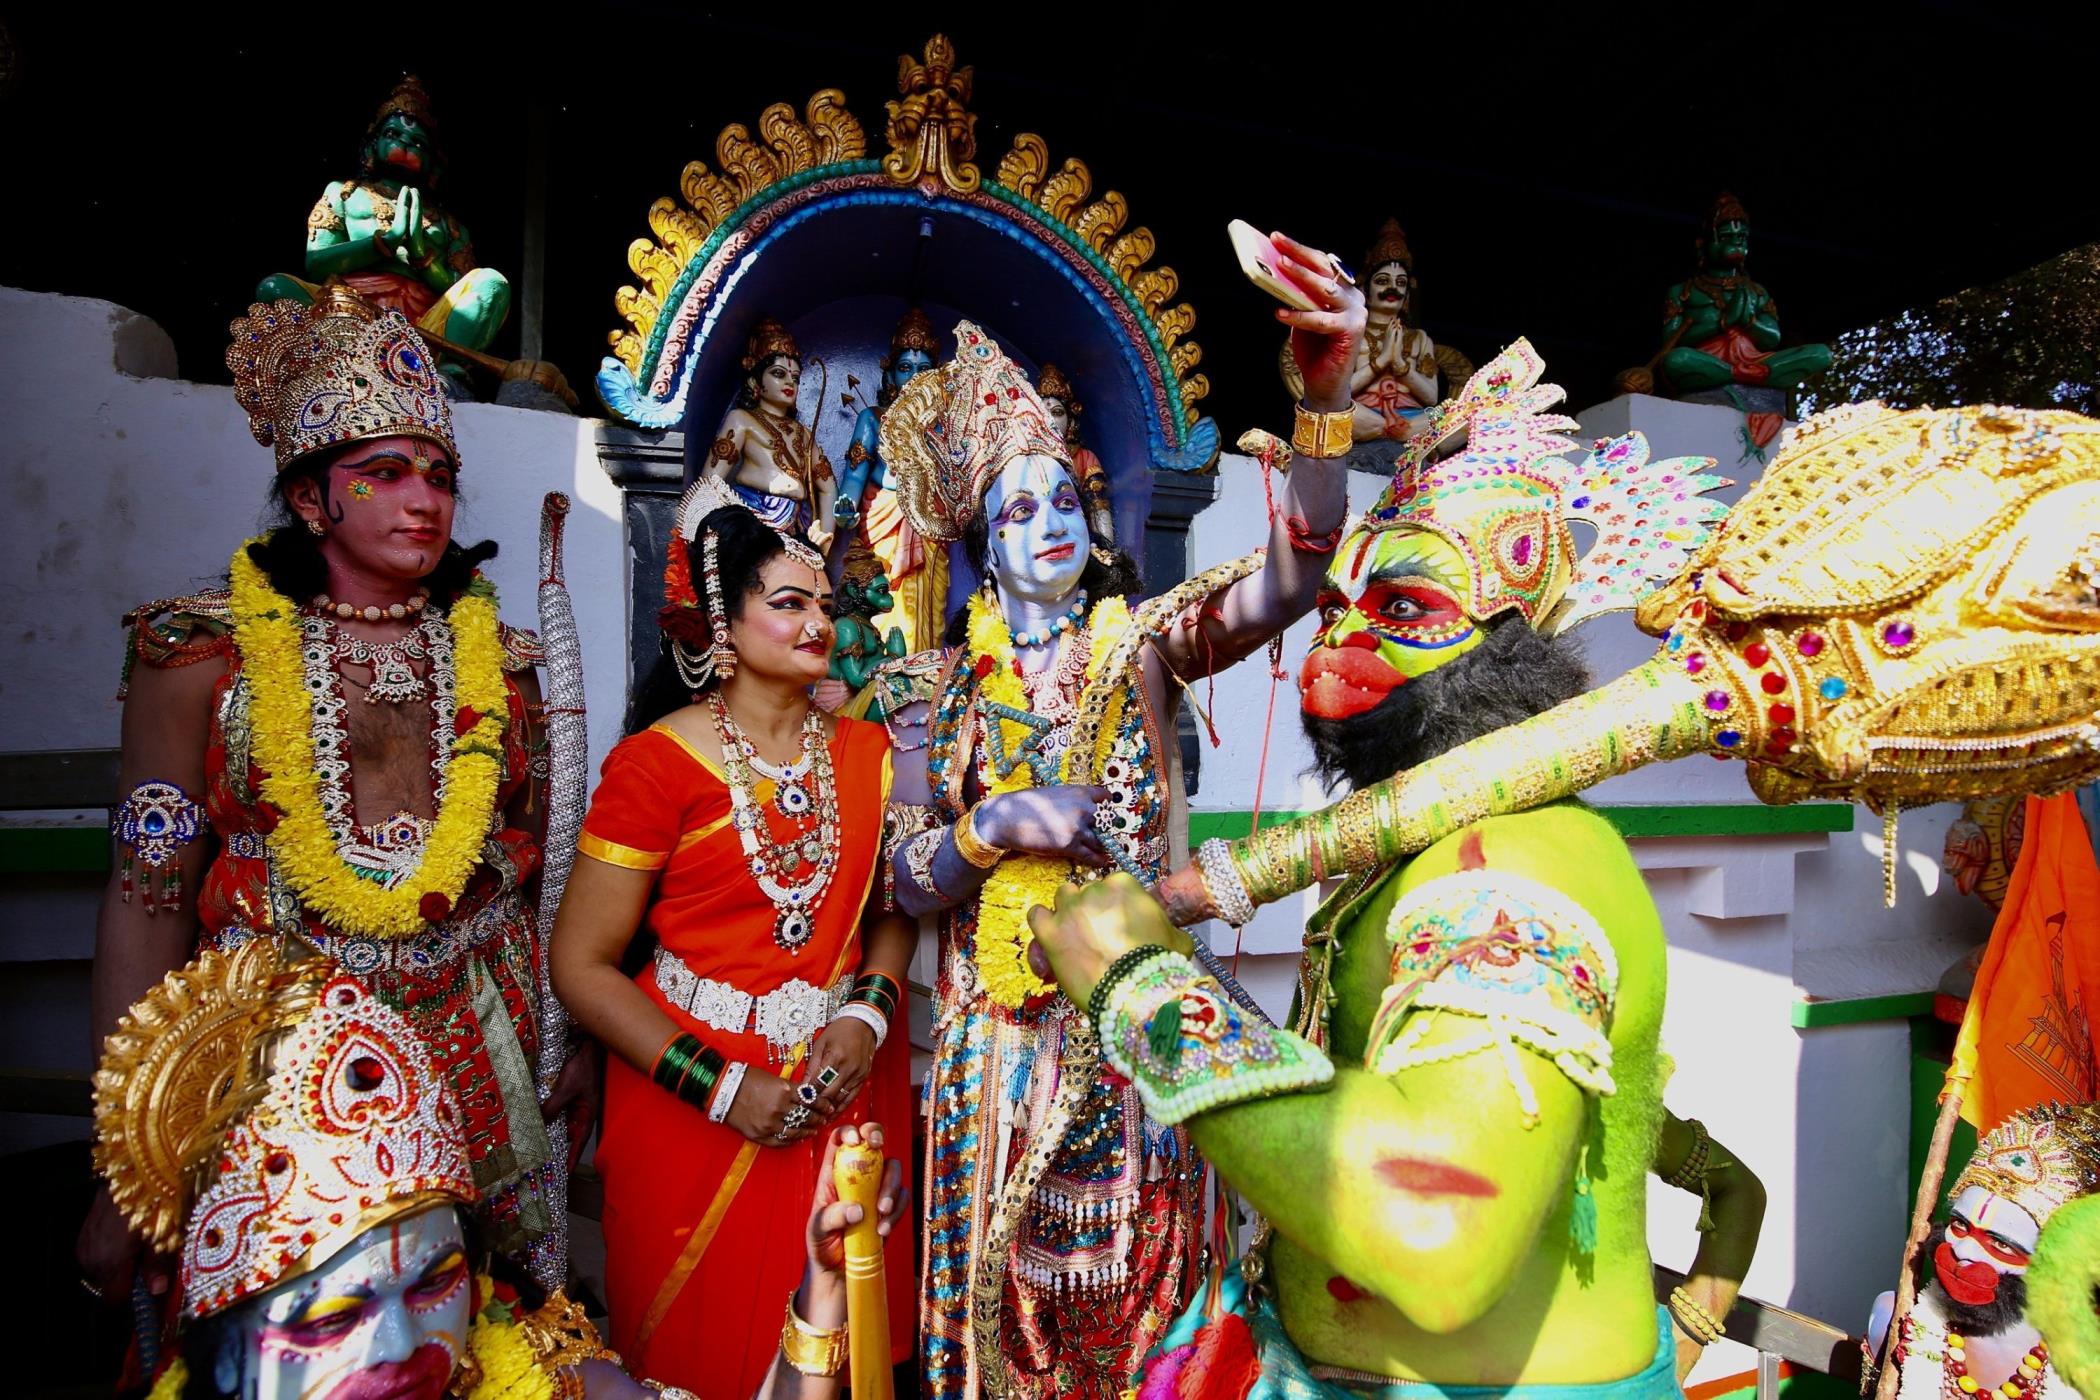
(1039, 538)
(385, 1319)
(786, 628)
(907, 366)
(1390, 612)
(388, 506)
(1988, 1237)
(1060, 417)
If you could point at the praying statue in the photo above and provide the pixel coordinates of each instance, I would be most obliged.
(1720, 326)
(384, 233)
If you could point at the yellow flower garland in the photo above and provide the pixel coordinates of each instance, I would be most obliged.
(266, 629)
(1020, 882)
(508, 1367)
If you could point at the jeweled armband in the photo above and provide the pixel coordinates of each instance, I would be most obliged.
(918, 860)
(1529, 963)
(901, 821)
(153, 823)
(1170, 1030)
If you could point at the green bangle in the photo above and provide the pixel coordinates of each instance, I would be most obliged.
(675, 1061)
(1117, 971)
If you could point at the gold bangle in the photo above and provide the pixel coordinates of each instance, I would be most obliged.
(1703, 1326)
(811, 1350)
(972, 847)
(1323, 436)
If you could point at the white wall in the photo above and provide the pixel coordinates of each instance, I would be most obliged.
(1755, 925)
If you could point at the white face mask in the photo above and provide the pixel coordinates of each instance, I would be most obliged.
(1991, 1230)
(1038, 535)
(386, 1316)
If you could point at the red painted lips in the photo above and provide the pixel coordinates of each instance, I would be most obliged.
(1971, 1283)
(1342, 681)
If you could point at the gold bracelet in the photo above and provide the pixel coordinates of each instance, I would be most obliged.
(972, 847)
(811, 1350)
(1323, 435)
(1701, 1324)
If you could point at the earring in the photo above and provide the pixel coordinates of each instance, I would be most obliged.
(315, 527)
(1106, 558)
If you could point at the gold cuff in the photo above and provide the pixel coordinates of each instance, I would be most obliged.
(972, 847)
(1323, 435)
(811, 1350)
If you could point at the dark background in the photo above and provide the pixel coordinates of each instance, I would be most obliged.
(1551, 167)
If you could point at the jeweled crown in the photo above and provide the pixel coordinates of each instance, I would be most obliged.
(949, 433)
(310, 1110)
(2039, 1159)
(1505, 497)
(335, 372)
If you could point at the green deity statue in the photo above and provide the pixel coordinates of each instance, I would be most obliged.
(1721, 327)
(384, 234)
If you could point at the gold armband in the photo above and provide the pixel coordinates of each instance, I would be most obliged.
(813, 1351)
(1323, 435)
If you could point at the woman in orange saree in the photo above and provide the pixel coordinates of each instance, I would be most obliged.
(741, 835)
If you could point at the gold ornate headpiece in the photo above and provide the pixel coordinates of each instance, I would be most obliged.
(1389, 246)
(1052, 384)
(335, 372)
(408, 99)
(1504, 500)
(950, 431)
(309, 1110)
(769, 337)
(2039, 1159)
(914, 332)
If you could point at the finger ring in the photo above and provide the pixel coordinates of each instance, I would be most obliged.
(1341, 274)
(93, 1291)
(807, 1093)
(826, 1077)
(796, 1119)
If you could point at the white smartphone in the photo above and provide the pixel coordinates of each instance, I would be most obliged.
(1259, 261)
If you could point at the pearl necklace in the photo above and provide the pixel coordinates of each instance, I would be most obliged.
(1041, 636)
(350, 612)
(777, 867)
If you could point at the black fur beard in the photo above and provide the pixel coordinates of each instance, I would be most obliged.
(1512, 675)
(1986, 1321)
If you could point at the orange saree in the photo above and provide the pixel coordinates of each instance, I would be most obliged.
(703, 1228)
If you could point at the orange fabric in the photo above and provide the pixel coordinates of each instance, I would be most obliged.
(663, 1164)
(2027, 1037)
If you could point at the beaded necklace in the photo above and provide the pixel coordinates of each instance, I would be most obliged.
(779, 867)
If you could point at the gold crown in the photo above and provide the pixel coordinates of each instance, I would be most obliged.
(951, 430)
(408, 99)
(2040, 1159)
(1052, 384)
(1389, 246)
(336, 372)
(1727, 209)
(914, 332)
(310, 1111)
(769, 337)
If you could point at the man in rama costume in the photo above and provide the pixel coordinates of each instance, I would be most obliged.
(1493, 964)
(1480, 1022)
(344, 749)
(1060, 1233)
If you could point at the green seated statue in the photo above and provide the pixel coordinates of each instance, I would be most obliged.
(1721, 327)
(385, 235)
